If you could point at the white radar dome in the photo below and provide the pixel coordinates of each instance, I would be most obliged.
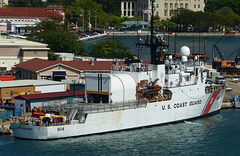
(195, 58)
(185, 51)
(184, 59)
(170, 57)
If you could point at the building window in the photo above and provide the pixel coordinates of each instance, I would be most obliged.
(125, 6)
(165, 5)
(181, 5)
(165, 12)
(138, 5)
(171, 5)
(157, 6)
(198, 5)
(15, 51)
(124, 13)
(128, 5)
(132, 5)
(128, 13)
(186, 5)
(35, 52)
(59, 67)
(132, 13)
(194, 5)
(176, 5)
(138, 13)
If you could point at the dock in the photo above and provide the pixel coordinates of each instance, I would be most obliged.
(235, 90)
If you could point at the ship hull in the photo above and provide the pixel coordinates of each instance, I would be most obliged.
(155, 113)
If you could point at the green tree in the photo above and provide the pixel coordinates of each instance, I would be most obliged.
(27, 3)
(58, 37)
(63, 2)
(111, 6)
(84, 8)
(61, 41)
(110, 49)
(214, 5)
(231, 17)
(202, 20)
(166, 24)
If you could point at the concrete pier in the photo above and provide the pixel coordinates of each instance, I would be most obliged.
(235, 86)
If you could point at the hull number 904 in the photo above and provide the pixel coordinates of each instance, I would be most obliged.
(60, 129)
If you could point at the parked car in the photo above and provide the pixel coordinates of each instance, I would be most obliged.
(220, 80)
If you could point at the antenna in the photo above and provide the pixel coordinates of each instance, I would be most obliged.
(154, 43)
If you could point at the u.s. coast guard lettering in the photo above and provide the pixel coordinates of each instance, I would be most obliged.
(181, 104)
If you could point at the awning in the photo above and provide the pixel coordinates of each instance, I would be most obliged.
(59, 73)
(135, 23)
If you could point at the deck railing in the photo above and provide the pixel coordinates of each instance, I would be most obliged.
(95, 107)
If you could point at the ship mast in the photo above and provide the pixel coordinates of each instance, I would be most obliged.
(155, 42)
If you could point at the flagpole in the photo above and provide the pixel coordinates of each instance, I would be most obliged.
(76, 27)
(83, 20)
(95, 20)
(89, 12)
(143, 16)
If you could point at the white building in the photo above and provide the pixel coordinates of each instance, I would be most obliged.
(164, 8)
(19, 26)
(134, 8)
(14, 51)
(18, 18)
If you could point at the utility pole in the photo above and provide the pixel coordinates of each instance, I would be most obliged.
(89, 16)
(83, 17)
(95, 20)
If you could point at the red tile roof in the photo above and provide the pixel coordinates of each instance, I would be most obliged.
(27, 12)
(37, 64)
(50, 95)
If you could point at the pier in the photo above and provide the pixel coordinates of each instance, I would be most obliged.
(233, 88)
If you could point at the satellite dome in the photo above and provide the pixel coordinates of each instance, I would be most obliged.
(184, 59)
(195, 58)
(170, 57)
(185, 51)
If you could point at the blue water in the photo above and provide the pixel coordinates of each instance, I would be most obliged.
(227, 45)
(217, 135)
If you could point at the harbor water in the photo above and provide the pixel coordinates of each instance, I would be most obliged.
(214, 135)
(226, 44)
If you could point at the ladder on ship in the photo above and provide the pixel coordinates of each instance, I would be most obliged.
(72, 114)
